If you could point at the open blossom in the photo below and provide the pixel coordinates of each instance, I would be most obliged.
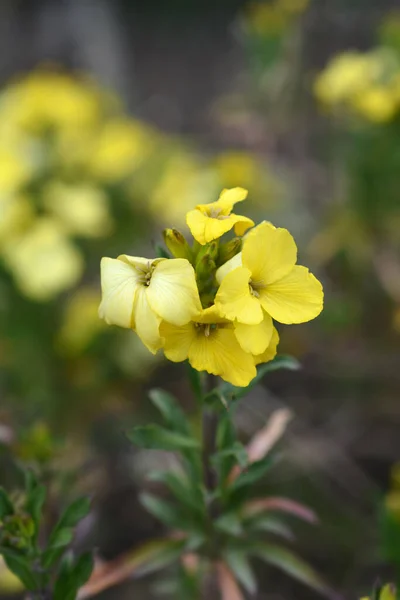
(268, 282)
(210, 221)
(209, 342)
(139, 292)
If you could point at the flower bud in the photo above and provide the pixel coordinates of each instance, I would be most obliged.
(210, 250)
(205, 269)
(229, 250)
(177, 244)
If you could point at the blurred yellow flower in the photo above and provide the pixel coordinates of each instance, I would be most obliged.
(269, 281)
(210, 221)
(15, 170)
(16, 213)
(46, 99)
(377, 104)
(294, 6)
(366, 84)
(81, 208)
(138, 292)
(120, 147)
(81, 321)
(43, 261)
(184, 182)
(345, 75)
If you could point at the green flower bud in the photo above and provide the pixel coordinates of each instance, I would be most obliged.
(177, 244)
(229, 250)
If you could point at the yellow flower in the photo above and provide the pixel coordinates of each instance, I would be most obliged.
(43, 261)
(377, 104)
(210, 344)
(270, 352)
(15, 214)
(345, 75)
(82, 209)
(139, 292)
(269, 281)
(121, 146)
(210, 221)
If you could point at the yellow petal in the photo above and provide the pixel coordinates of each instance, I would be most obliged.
(270, 352)
(204, 229)
(269, 253)
(177, 340)
(226, 201)
(119, 283)
(219, 353)
(235, 261)
(234, 300)
(173, 293)
(254, 338)
(388, 593)
(242, 224)
(228, 198)
(145, 322)
(296, 298)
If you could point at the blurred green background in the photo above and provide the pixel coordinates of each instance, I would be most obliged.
(116, 117)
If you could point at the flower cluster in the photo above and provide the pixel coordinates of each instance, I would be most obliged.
(363, 84)
(64, 144)
(214, 302)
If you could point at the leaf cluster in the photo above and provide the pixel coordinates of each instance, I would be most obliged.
(42, 567)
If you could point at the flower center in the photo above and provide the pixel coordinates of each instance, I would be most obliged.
(206, 329)
(255, 287)
(146, 272)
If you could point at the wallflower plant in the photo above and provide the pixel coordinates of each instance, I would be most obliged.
(213, 303)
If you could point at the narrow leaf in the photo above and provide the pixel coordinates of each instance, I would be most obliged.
(291, 564)
(238, 563)
(172, 413)
(158, 438)
(73, 514)
(286, 505)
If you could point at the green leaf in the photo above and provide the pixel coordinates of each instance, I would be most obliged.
(238, 563)
(6, 507)
(229, 523)
(169, 514)
(269, 524)
(158, 438)
(155, 556)
(186, 492)
(73, 573)
(171, 411)
(34, 504)
(20, 566)
(72, 515)
(254, 472)
(291, 564)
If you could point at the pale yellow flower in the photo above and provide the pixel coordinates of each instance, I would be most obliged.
(138, 292)
(210, 221)
(16, 213)
(43, 261)
(269, 281)
(9, 583)
(81, 208)
(346, 74)
(120, 147)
